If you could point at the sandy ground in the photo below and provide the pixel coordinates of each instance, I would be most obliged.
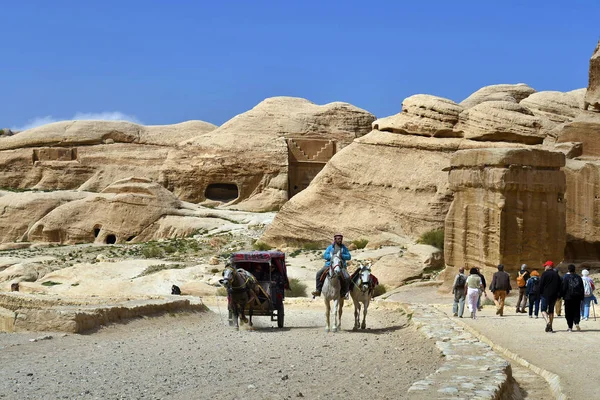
(199, 357)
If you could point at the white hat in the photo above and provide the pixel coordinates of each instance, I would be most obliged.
(585, 272)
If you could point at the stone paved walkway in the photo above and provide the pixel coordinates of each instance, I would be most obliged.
(472, 370)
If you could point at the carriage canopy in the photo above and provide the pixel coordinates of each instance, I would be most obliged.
(246, 260)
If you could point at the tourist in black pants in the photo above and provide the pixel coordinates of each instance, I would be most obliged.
(572, 292)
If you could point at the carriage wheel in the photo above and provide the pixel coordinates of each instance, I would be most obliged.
(280, 316)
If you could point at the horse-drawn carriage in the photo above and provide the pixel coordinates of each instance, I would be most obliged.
(270, 272)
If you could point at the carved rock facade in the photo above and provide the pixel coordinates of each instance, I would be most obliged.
(508, 208)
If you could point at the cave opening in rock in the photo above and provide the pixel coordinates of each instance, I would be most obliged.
(96, 231)
(224, 192)
(111, 239)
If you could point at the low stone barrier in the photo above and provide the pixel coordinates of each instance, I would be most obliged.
(25, 312)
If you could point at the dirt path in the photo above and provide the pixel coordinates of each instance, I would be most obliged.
(572, 356)
(198, 356)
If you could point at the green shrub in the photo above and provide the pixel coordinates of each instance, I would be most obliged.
(487, 302)
(311, 246)
(294, 253)
(433, 238)
(159, 267)
(261, 246)
(214, 270)
(170, 249)
(50, 283)
(221, 292)
(152, 251)
(379, 290)
(297, 288)
(360, 243)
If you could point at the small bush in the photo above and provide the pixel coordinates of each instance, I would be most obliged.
(261, 246)
(360, 243)
(297, 288)
(214, 270)
(487, 302)
(221, 292)
(433, 238)
(379, 290)
(159, 267)
(152, 251)
(311, 246)
(50, 283)
(170, 249)
(294, 253)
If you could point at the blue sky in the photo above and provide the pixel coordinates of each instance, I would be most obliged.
(160, 62)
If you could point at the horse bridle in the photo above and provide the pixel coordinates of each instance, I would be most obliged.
(234, 273)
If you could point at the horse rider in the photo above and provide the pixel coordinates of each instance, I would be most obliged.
(332, 249)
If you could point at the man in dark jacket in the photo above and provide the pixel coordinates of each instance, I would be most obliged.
(572, 292)
(549, 292)
(500, 287)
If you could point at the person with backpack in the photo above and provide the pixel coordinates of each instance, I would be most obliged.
(588, 294)
(522, 277)
(458, 290)
(571, 291)
(532, 291)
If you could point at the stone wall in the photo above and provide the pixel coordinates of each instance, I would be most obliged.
(508, 208)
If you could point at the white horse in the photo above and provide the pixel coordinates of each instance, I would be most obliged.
(361, 292)
(331, 291)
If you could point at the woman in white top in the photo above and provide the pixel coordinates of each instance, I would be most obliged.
(472, 290)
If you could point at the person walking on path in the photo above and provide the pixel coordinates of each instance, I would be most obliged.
(472, 289)
(558, 306)
(483, 285)
(549, 292)
(458, 290)
(500, 287)
(532, 291)
(588, 294)
(522, 277)
(571, 291)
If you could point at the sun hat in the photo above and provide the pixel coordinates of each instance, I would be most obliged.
(338, 234)
(585, 272)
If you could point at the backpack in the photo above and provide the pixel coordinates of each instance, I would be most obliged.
(575, 287)
(587, 288)
(535, 288)
(460, 282)
(521, 279)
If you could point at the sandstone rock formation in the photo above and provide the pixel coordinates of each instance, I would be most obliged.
(424, 115)
(501, 121)
(584, 129)
(582, 194)
(394, 270)
(592, 96)
(131, 210)
(243, 164)
(387, 187)
(508, 208)
(503, 92)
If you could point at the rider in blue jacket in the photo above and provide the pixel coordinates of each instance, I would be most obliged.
(333, 248)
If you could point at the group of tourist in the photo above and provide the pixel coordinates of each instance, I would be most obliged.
(547, 292)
